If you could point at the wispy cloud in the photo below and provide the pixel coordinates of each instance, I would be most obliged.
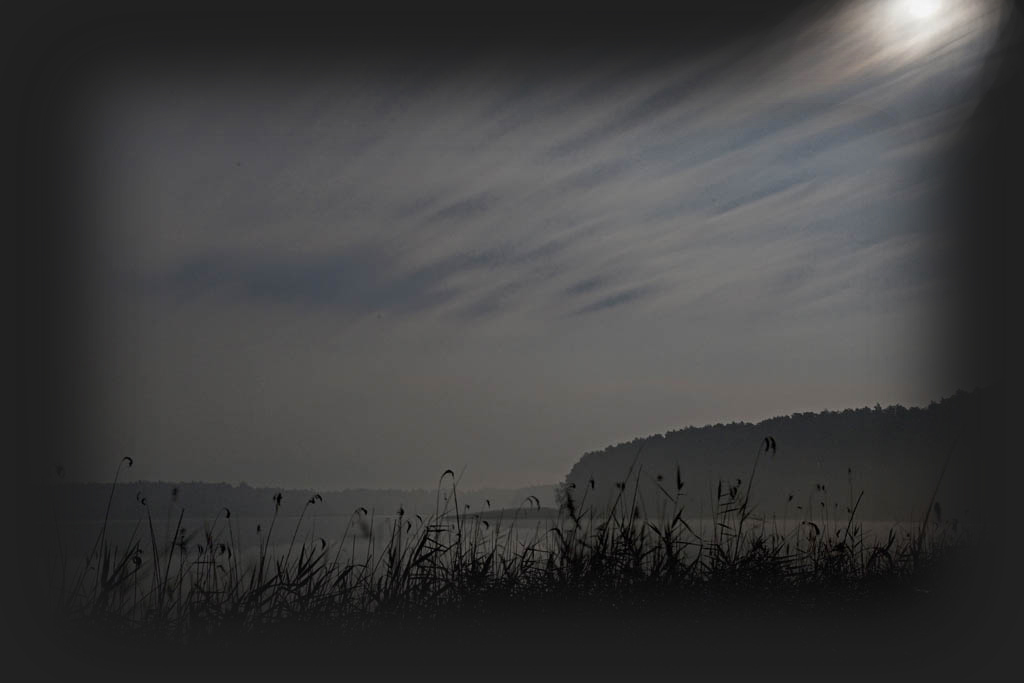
(542, 214)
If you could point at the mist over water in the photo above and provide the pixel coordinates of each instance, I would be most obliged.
(349, 539)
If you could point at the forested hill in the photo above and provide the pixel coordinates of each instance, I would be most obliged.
(894, 454)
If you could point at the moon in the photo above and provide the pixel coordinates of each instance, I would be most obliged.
(922, 9)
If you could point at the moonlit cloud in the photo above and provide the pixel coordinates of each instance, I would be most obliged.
(366, 277)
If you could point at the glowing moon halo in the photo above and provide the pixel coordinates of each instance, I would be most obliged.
(922, 9)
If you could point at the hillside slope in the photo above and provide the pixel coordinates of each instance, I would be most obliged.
(895, 455)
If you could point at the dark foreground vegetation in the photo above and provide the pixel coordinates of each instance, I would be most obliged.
(198, 587)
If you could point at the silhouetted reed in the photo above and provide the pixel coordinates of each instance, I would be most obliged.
(199, 582)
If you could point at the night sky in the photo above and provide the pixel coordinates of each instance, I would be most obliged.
(364, 271)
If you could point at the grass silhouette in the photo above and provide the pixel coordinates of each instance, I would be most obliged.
(456, 560)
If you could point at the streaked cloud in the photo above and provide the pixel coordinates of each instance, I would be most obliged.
(465, 212)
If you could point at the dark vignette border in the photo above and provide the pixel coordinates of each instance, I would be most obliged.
(55, 53)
